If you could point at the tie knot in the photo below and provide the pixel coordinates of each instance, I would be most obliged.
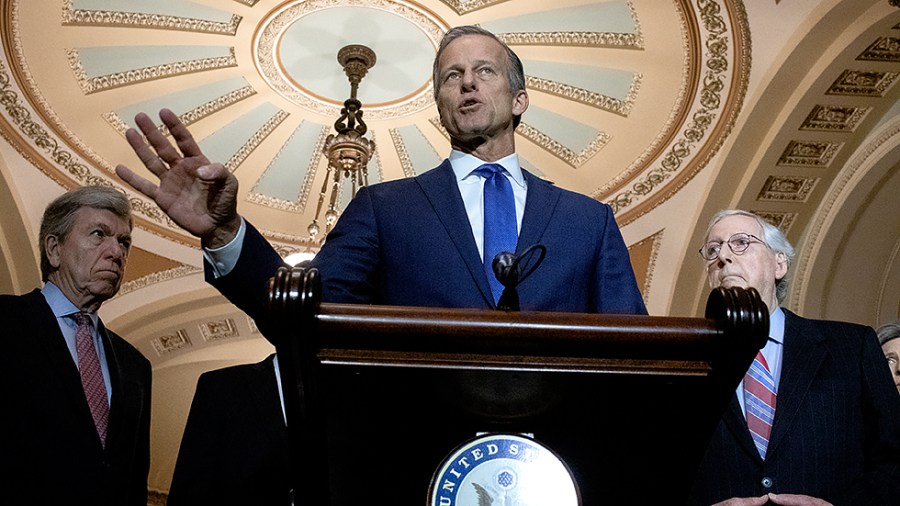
(81, 319)
(489, 170)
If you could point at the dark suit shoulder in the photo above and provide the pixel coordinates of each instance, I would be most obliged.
(389, 189)
(572, 197)
(826, 329)
(28, 302)
(128, 354)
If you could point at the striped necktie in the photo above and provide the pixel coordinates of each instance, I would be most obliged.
(759, 402)
(91, 374)
(500, 228)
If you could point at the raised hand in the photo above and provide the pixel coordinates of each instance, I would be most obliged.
(198, 195)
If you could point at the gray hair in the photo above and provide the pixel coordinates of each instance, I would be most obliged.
(888, 331)
(515, 72)
(774, 239)
(59, 217)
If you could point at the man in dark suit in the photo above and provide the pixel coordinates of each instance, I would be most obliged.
(835, 434)
(417, 241)
(76, 422)
(234, 448)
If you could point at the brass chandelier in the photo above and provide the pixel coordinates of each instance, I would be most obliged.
(348, 152)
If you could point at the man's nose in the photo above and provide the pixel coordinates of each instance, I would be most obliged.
(468, 81)
(115, 250)
(726, 256)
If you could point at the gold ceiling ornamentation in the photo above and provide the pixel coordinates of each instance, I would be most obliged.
(885, 49)
(402, 153)
(588, 39)
(787, 188)
(557, 149)
(170, 343)
(312, 164)
(725, 60)
(832, 118)
(863, 83)
(466, 6)
(843, 184)
(83, 17)
(782, 221)
(217, 330)
(100, 83)
(809, 154)
(238, 158)
(647, 268)
(272, 29)
(591, 98)
(287, 244)
(157, 277)
(192, 116)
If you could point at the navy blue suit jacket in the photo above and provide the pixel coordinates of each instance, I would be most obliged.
(836, 433)
(50, 452)
(409, 243)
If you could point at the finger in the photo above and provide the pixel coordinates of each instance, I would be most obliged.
(147, 155)
(137, 182)
(212, 172)
(180, 133)
(164, 149)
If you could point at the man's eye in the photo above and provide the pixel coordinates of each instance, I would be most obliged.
(712, 249)
(741, 242)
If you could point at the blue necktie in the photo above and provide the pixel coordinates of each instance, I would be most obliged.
(500, 230)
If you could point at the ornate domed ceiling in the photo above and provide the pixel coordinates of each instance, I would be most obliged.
(623, 108)
(665, 109)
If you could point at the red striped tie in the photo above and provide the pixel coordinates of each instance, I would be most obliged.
(759, 402)
(91, 374)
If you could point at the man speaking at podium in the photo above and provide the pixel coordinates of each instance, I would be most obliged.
(422, 241)
(816, 420)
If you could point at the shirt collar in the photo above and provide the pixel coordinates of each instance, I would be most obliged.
(776, 326)
(60, 304)
(463, 164)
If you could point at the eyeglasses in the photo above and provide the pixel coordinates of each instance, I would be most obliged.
(738, 243)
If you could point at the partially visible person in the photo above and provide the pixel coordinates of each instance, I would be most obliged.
(890, 345)
(816, 420)
(234, 448)
(76, 421)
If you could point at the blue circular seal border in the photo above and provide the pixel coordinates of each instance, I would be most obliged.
(445, 485)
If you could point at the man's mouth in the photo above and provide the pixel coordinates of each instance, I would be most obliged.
(468, 105)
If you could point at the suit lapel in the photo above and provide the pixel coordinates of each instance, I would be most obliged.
(51, 341)
(737, 424)
(440, 188)
(118, 396)
(59, 359)
(803, 356)
(539, 206)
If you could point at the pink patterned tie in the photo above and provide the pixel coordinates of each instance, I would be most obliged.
(91, 375)
(759, 402)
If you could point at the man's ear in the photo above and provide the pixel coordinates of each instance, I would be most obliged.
(520, 102)
(51, 246)
(781, 265)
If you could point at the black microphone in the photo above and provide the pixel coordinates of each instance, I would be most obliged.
(509, 270)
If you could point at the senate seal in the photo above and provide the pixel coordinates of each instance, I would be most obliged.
(503, 470)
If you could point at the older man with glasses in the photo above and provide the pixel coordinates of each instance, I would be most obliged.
(816, 420)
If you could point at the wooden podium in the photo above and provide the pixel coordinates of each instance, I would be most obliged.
(377, 396)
